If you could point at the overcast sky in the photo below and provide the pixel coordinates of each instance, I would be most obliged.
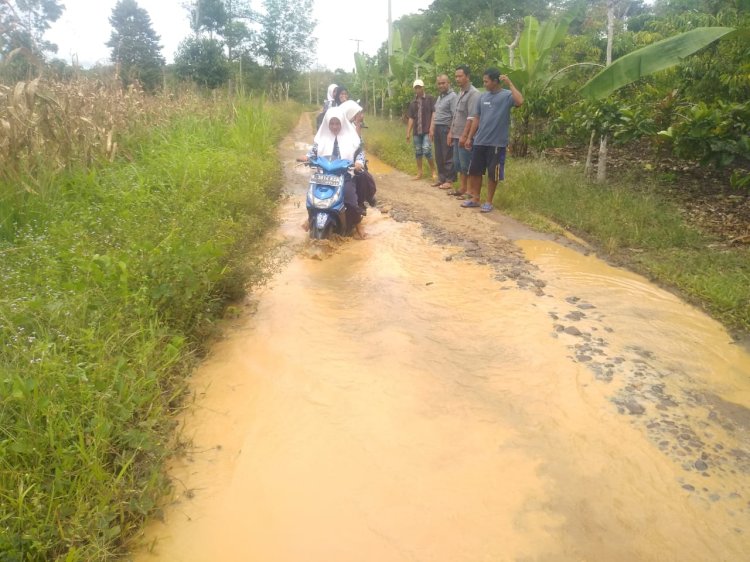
(84, 27)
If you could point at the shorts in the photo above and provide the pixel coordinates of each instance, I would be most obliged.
(422, 146)
(461, 158)
(490, 159)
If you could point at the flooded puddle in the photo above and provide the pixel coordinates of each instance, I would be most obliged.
(386, 402)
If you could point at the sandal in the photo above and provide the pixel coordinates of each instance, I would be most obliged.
(469, 203)
(455, 193)
(486, 208)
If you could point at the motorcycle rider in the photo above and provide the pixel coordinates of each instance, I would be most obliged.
(338, 138)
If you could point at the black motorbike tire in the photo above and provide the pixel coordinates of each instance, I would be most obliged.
(321, 234)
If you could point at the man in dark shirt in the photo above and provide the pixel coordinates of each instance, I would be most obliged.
(420, 116)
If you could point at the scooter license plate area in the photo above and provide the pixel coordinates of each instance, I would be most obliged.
(326, 179)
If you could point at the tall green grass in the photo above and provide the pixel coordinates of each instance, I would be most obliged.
(109, 279)
(631, 223)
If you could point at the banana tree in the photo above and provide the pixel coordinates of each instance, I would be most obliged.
(657, 56)
(529, 69)
(370, 80)
(643, 62)
(536, 43)
(405, 66)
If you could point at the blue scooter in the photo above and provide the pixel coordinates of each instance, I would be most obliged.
(325, 197)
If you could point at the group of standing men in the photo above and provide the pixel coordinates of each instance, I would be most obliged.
(469, 130)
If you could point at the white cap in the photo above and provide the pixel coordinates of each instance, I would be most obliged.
(417, 82)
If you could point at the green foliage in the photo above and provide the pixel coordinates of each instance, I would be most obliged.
(108, 286)
(203, 61)
(135, 45)
(473, 14)
(717, 134)
(23, 23)
(209, 16)
(406, 65)
(721, 71)
(286, 37)
(645, 61)
(478, 50)
(22, 44)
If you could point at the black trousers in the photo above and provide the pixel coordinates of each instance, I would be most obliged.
(443, 154)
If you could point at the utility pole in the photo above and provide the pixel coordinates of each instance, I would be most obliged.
(357, 41)
(390, 49)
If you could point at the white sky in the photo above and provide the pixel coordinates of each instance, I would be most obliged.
(84, 27)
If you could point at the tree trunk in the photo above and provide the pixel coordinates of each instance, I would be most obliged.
(610, 29)
(587, 166)
(601, 170)
(512, 49)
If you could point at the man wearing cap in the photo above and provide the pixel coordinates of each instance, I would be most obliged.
(420, 116)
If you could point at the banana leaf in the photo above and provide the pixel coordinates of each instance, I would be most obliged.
(551, 33)
(527, 46)
(442, 46)
(658, 56)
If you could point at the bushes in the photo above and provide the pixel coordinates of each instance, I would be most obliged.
(108, 283)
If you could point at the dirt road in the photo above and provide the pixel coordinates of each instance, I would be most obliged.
(457, 387)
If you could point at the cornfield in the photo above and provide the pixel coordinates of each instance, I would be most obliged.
(49, 126)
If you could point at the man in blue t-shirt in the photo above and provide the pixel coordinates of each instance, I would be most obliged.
(488, 136)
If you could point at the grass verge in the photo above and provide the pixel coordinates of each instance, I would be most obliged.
(110, 279)
(630, 224)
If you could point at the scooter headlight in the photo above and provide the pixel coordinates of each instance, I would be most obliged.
(326, 203)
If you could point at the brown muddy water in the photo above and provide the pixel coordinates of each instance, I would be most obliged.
(388, 400)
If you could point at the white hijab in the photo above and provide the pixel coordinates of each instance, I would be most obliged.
(350, 108)
(348, 138)
(331, 89)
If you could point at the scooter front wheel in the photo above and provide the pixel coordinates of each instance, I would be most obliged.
(321, 233)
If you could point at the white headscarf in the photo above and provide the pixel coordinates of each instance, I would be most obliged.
(350, 108)
(331, 89)
(348, 138)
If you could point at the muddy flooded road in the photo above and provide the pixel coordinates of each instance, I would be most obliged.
(458, 388)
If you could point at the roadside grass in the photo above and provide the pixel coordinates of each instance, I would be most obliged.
(110, 280)
(635, 227)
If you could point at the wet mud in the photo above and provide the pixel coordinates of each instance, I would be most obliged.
(458, 387)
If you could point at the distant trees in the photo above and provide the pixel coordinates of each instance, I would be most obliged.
(135, 46)
(231, 43)
(22, 27)
(23, 23)
(208, 16)
(202, 60)
(230, 37)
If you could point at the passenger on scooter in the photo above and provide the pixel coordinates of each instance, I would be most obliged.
(340, 95)
(338, 139)
(326, 104)
(354, 113)
(364, 181)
